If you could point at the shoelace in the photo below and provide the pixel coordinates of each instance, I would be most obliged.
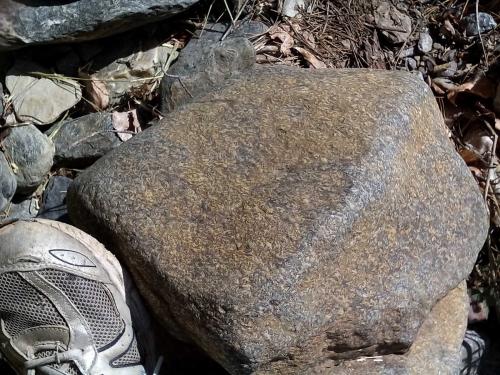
(43, 364)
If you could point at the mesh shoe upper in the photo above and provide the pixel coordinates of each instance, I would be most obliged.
(62, 303)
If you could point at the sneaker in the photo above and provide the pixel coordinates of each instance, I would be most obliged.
(63, 303)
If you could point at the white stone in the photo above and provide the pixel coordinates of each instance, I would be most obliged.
(290, 7)
(425, 42)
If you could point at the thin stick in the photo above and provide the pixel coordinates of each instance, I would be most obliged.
(229, 11)
(480, 36)
(491, 165)
(238, 15)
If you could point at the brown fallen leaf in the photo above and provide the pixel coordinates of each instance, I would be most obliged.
(126, 124)
(284, 37)
(310, 58)
(97, 93)
(480, 86)
(478, 145)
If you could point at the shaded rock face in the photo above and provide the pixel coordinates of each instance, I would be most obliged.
(81, 141)
(53, 205)
(41, 21)
(8, 182)
(291, 216)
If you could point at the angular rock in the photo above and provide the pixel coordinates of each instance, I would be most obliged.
(395, 25)
(436, 349)
(290, 216)
(53, 205)
(8, 182)
(24, 209)
(40, 100)
(81, 141)
(31, 154)
(424, 42)
(199, 71)
(78, 20)
(486, 23)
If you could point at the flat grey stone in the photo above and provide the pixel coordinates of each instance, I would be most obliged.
(8, 182)
(40, 100)
(22, 210)
(81, 141)
(31, 154)
(41, 21)
(289, 217)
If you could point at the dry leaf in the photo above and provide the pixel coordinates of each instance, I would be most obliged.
(126, 124)
(478, 145)
(97, 93)
(285, 38)
(310, 58)
(482, 87)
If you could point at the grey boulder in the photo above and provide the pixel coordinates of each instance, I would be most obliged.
(31, 155)
(80, 142)
(290, 217)
(8, 182)
(23, 23)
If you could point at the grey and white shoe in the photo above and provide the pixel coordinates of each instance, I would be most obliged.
(63, 307)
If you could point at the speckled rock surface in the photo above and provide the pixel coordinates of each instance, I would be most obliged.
(436, 349)
(41, 21)
(291, 216)
(31, 154)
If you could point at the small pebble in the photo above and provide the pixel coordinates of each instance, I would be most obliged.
(486, 23)
(409, 52)
(425, 42)
(446, 70)
(438, 47)
(411, 63)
